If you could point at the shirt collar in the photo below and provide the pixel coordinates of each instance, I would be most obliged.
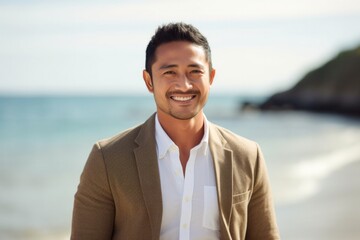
(164, 142)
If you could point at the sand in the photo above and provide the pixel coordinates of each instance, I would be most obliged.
(333, 213)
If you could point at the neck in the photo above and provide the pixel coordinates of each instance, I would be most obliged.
(186, 134)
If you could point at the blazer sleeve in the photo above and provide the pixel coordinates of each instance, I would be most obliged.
(261, 213)
(93, 212)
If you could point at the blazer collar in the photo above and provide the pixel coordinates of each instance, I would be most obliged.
(223, 164)
(147, 164)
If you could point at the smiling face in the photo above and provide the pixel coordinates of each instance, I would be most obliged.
(180, 80)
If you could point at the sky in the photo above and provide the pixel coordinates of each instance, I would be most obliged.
(98, 47)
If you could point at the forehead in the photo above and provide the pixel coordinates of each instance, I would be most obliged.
(180, 51)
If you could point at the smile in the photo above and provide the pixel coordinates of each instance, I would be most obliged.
(182, 98)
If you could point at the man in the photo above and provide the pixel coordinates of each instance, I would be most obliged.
(177, 176)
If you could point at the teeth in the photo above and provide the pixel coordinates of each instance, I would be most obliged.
(182, 99)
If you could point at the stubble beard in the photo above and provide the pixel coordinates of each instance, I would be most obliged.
(187, 114)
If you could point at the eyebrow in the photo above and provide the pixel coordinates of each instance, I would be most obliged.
(167, 66)
(195, 65)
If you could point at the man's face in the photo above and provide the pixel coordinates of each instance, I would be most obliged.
(181, 79)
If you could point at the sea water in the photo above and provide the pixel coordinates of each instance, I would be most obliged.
(45, 141)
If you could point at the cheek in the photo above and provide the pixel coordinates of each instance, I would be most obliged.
(163, 85)
(160, 90)
(205, 85)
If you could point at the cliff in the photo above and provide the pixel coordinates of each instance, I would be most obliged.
(333, 87)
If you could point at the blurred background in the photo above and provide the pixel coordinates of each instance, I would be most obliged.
(71, 74)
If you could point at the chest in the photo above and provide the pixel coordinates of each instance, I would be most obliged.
(190, 205)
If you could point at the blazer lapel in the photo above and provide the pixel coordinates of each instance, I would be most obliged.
(147, 164)
(223, 163)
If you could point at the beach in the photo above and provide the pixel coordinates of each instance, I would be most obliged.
(313, 161)
(332, 213)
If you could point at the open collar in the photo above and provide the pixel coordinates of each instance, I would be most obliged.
(147, 164)
(164, 142)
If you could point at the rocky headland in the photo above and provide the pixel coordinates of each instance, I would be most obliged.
(333, 88)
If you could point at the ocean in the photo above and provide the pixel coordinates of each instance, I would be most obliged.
(45, 141)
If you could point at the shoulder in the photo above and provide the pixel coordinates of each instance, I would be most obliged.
(124, 139)
(246, 156)
(113, 151)
(117, 153)
(130, 138)
(232, 140)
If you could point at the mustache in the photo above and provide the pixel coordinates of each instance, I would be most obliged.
(190, 92)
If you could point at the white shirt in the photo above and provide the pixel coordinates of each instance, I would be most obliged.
(190, 204)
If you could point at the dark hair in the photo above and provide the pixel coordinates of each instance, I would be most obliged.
(175, 32)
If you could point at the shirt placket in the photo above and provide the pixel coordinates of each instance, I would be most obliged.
(186, 206)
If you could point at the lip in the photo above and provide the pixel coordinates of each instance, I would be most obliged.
(182, 98)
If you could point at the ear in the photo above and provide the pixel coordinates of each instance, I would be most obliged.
(148, 81)
(212, 76)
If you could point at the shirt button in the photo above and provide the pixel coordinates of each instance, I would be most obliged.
(185, 225)
(187, 199)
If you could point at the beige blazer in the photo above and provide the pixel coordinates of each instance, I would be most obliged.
(119, 195)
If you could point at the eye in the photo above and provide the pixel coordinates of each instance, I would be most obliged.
(196, 71)
(169, 73)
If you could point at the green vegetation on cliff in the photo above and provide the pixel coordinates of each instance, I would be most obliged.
(333, 87)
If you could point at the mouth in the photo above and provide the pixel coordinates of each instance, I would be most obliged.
(182, 98)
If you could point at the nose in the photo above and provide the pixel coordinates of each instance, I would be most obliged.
(184, 83)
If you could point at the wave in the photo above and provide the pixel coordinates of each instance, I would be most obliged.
(306, 175)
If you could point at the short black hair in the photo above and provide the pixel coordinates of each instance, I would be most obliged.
(175, 32)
